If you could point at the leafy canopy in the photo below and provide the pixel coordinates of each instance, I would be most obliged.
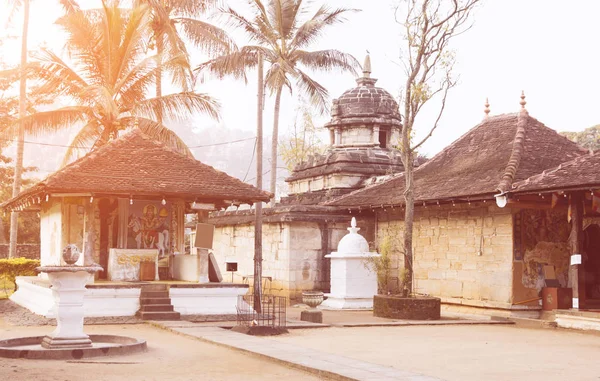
(106, 78)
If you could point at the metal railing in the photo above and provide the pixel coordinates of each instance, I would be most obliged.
(272, 311)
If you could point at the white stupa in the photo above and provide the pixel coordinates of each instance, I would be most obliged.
(353, 281)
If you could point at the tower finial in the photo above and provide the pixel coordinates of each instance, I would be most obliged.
(367, 66)
(487, 108)
(523, 102)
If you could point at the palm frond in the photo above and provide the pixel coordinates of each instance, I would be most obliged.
(15, 7)
(311, 30)
(253, 30)
(206, 36)
(177, 106)
(193, 8)
(317, 94)
(282, 14)
(70, 6)
(44, 122)
(160, 133)
(82, 142)
(234, 64)
(327, 60)
(57, 77)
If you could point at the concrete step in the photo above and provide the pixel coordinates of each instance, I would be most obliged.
(154, 294)
(155, 287)
(159, 315)
(146, 301)
(156, 308)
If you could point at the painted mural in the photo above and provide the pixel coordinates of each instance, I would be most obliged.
(149, 226)
(541, 239)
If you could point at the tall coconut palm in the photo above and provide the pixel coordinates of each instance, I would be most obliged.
(167, 15)
(282, 37)
(108, 79)
(15, 6)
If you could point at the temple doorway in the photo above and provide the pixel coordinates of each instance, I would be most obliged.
(591, 265)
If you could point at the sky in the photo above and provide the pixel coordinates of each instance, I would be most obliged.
(546, 48)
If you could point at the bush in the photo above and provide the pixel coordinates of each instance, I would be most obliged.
(12, 268)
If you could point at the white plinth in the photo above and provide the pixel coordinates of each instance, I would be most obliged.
(353, 283)
(68, 289)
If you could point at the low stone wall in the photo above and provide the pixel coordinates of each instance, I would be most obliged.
(27, 250)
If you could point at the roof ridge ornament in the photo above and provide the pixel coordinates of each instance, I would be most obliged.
(487, 108)
(523, 102)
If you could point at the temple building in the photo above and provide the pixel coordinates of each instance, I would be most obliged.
(299, 231)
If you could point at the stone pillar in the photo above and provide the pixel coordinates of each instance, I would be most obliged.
(338, 136)
(576, 204)
(376, 141)
(202, 254)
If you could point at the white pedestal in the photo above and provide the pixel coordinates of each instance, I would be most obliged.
(353, 283)
(68, 290)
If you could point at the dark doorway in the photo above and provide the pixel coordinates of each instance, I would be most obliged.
(383, 139)
(591, 265)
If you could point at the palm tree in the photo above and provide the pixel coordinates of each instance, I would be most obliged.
(282, 38)
(108, 80)
(15, 6)
(166, 15)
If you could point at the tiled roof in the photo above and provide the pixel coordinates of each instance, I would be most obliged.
(135, 164)
(499, 151)
(581, 172)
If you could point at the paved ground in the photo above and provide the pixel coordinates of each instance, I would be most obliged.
(170, 357)
(312, 359)
(464, 353)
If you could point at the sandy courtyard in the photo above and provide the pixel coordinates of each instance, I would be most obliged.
(464, 353)
(169, 357)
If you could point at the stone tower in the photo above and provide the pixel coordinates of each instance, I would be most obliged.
(364, 128)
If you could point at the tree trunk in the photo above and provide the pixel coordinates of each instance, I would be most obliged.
(274, 143)
(160, 48)
(409, 215)
(258, 207)
(14, 217)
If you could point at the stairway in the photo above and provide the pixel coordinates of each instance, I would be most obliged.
(155, 303)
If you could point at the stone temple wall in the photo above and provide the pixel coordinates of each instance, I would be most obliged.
(462, 254)
(293, 254)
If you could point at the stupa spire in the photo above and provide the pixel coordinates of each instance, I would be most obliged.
(366, 79)
(367, 66)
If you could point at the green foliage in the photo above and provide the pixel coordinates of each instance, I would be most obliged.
(303, 141)
(12, 268)
(29, 223)
(107, 78)
(382, 265)
(588, 138)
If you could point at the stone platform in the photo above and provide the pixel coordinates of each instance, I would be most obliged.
(106, 299)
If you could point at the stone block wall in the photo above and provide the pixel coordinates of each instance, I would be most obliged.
(462, 254)
(235, 243)
(293, 253)
(357, 135)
